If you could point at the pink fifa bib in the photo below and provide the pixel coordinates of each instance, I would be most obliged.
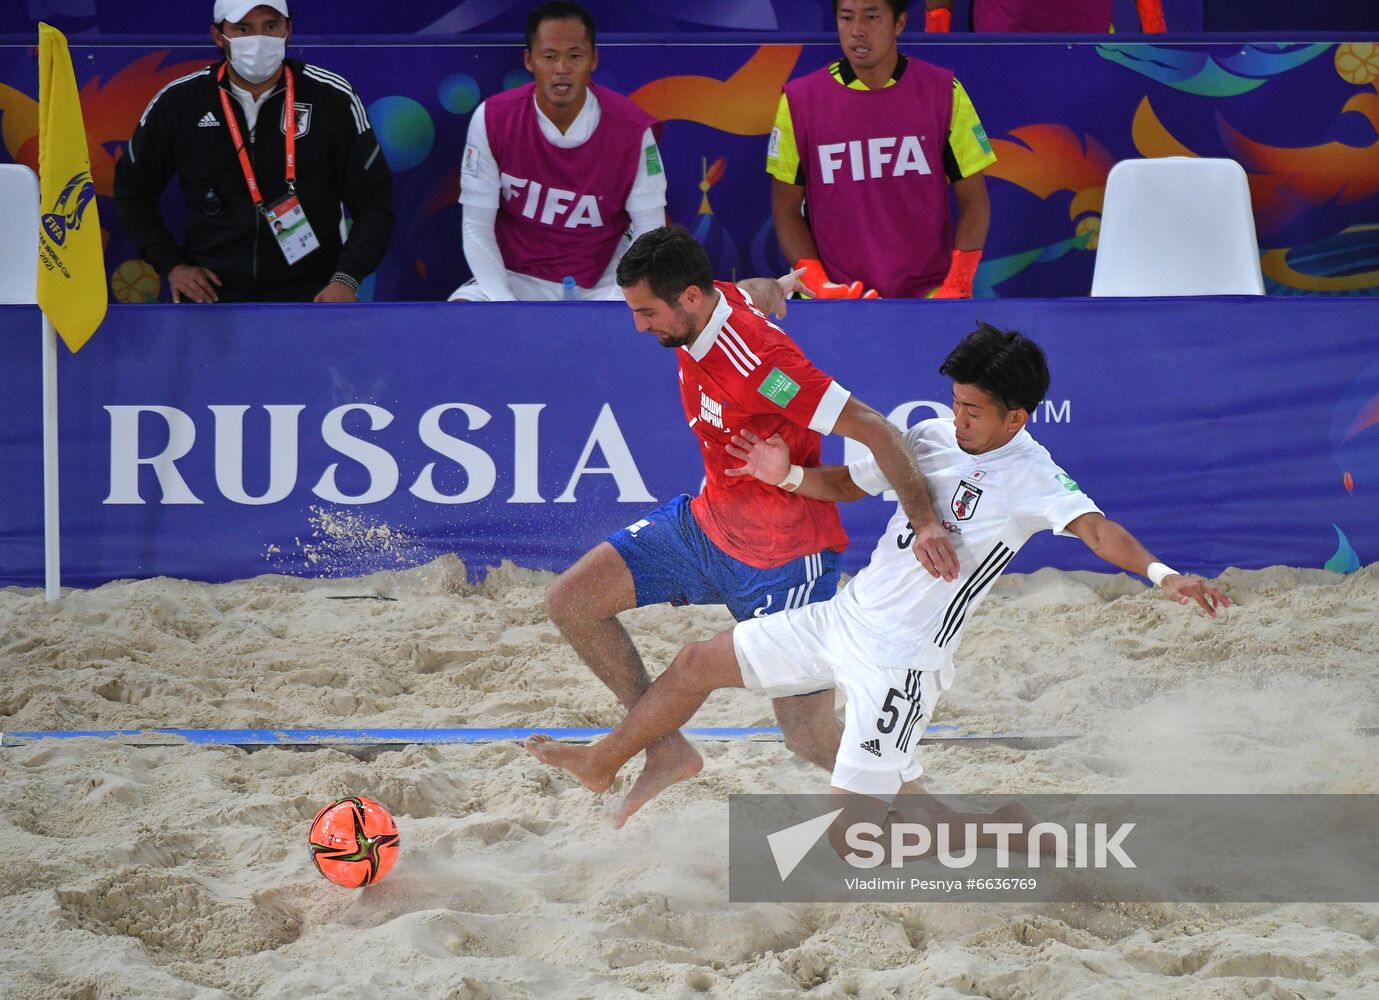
(562, 211)
(875, 187)
(1064, 16)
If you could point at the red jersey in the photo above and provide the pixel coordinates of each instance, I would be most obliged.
(743, 371)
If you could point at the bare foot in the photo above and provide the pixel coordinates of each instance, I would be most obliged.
(1018, 812)
(1015, 812)
(577, 760)
(668, 760)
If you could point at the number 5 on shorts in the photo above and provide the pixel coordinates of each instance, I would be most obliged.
(887, 722)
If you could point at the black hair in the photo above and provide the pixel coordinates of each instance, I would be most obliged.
(559, 10)
(670, 260)
(897, 7)
(1006, 365)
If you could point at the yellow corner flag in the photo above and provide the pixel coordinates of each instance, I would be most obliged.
(71, 260)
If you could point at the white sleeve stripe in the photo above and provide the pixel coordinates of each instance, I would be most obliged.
(356, 108)
(180, 79)
(732, 344)
(354, 96)
(323, 74)
(361, 117)
(737, 338)
(830, 407)
(342, 84)
(729, 355)
(735, 347)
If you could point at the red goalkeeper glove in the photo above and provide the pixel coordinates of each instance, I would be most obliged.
(1151, 16)
(940, 19)
(815, 281)
(958, 284)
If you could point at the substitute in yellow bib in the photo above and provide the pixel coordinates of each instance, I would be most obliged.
(862, 158)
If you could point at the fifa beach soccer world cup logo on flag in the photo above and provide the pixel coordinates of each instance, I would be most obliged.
(71, 259)
(70, 207)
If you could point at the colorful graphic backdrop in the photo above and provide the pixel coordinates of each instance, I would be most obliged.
(1303, 118)
(446, 17)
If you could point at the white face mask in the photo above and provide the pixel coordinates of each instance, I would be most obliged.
(256, 57)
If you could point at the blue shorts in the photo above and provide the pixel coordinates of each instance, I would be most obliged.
(674, 562)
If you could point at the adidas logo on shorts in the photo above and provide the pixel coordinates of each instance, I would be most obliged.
(208, 120)
(872, 747)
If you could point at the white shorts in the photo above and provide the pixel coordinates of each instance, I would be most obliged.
(530, 289)
(813, 647)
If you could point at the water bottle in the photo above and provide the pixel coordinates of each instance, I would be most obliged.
(569, 292)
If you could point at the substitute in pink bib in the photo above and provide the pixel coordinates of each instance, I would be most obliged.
(873, 165)
(865, 157)
(562, 211)
(558, 177)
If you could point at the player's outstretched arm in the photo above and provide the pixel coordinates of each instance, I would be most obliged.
(771, 295)
(932, 547)
(1113, 543)
(768, 459)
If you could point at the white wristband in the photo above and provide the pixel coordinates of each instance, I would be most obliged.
(1157, 571)
(792, 479)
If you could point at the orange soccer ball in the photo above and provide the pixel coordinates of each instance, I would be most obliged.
(354, 841)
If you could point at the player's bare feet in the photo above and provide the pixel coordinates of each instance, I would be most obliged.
(1018, 812)
(668, 760)
(579, 761)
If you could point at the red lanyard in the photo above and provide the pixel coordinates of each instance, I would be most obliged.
(238, 139)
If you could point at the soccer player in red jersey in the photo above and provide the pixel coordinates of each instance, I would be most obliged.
(757, 548)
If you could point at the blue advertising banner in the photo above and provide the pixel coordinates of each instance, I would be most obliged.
(220, 443)
(1301, 117)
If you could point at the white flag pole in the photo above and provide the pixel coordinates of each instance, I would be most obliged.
(52, 546)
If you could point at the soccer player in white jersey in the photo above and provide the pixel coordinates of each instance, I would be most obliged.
(888, 638)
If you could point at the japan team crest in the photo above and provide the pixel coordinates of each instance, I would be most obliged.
(964, 502)
(303, 119)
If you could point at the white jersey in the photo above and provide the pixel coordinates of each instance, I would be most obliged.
(991, 505)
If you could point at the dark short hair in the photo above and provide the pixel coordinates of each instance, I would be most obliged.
(897, 7)
(668, 259)
(558, 10)
(1006, 365)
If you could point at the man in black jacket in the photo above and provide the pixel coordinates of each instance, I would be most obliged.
(262, 202)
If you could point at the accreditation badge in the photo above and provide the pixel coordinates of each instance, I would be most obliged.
(291, 228)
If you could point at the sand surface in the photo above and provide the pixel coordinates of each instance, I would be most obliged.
(182, 871)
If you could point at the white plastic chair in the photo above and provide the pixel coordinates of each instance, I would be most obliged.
(1177, 226)
(18, 235)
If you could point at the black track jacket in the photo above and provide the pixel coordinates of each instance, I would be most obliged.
(339, 159)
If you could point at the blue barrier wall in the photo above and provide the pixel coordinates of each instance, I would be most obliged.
(1224, 432)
